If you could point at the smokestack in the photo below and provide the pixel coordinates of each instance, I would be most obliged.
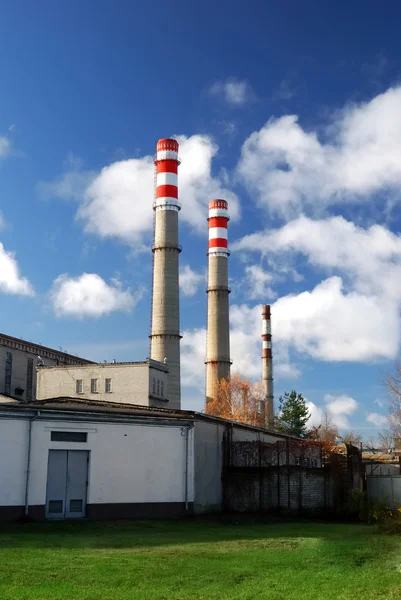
(267, 363)
(218, 336)
(165, 335)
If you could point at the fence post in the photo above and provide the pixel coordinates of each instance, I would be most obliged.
(288, 476)
(278, 476)
(261, 482)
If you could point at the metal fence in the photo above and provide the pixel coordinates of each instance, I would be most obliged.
(290, 476)
(385, 489)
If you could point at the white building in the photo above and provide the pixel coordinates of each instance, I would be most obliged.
(142, 383)
(18, 362)
(72, 458)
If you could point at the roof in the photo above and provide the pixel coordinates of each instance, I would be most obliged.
(149, 362)
(66, 405)
(38, 348)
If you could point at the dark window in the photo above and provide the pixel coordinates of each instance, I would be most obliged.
(76, 506)
(55, 506)
(158, 387)
(9, 368)
(68, 436)
(79, 386)
(93, 386)
(29, 378)
(154, 386)
(162, 389)
(107, 385)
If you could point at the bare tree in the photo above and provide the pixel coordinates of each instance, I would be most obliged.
(326, 432)
(393, 383)
(352, 438)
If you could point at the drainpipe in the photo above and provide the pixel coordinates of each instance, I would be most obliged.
(28, 463)
(187, 429)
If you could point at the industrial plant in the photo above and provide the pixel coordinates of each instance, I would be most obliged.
(101, 440)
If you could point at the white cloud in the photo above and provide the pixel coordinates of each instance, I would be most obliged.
(331, 325)
(5, 147)
(190, 280)
(377, 419)
(369, 261)
(258, 283)
(193, 348)
(90, 296)
(117, 202)
(11, 281)
(339, 408)
(357, 155)
(316, 414)
(371, 257)
(233, 91)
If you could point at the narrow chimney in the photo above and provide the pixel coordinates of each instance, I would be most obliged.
(218, 335)
(165, 334)
(267, 363)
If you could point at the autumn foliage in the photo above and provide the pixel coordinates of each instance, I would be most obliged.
(238, 400)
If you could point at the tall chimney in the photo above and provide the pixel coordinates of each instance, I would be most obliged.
(218, 336)
(165, 335)
(267, 363)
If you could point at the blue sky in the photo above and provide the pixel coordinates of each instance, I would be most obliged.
(289, 111)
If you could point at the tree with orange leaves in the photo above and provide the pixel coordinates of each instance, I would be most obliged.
(238, 400)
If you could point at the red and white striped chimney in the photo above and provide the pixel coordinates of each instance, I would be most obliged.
(267, 363)
(218, 222)
(218, 335)
(165, 335)
(167, 175)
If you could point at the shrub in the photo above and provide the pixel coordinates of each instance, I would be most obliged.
(359, 506)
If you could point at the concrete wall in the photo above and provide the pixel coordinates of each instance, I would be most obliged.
(131, 383)
(134, 469)
(208, 450)
(22, 351)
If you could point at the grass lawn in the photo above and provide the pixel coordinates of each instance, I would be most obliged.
(197, 559)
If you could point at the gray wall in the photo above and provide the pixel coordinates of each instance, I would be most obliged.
(208, 453)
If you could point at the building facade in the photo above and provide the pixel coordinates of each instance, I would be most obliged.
(72, 458)
(141, 383)
(18, 362)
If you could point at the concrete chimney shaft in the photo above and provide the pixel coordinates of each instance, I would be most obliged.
(218, 334)
(165, 335)
(267, 363)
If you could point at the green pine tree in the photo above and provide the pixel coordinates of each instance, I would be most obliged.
(293, 414)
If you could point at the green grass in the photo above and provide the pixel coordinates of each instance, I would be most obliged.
(198, 559)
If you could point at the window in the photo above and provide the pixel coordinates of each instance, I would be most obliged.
(306, 462)
(107, 385)
(298, 461)
(158, 387)
(154, 386)
(9, 368)
(29, 378)
(162, 388)
(93, 386)
(79, 386)
(68, 436)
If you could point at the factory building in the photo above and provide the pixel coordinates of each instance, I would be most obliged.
(71, 458)
(165, 329)
(218, 360)
(142, 383)
(18, 362)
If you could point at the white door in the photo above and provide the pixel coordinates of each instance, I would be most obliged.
(67, 481)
